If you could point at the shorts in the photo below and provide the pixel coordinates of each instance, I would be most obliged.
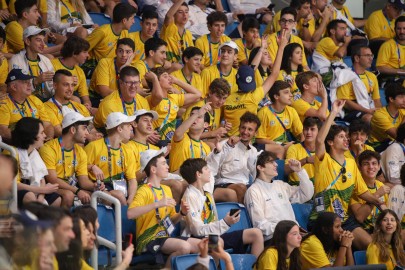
(50, 198)
(222, 185)
(350, 116)
(234, 240)
(351, 224)
(154, 247)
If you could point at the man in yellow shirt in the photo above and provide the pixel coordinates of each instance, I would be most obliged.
(362, 58)
(339, 7)
(111, 161)
(63, 84)
(20, 103)
(358, 135)
(210, 43)
(66, 160)
(250, 39)
(322, 14)
(104, 80)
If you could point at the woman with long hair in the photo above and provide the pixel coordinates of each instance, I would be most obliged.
(327, 245)
(386, 246)
(284, 252)
(263, 65)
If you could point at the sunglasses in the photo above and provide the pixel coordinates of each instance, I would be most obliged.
(343, 173)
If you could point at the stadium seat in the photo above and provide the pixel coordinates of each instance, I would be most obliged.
(136, 26)
(301, 212)
(230, 27)
(225, 5)
(185, 261)
(99, 18)
(382, 97)
(244, 222)
(280, 170)
(360, 257)
(241, 261)
(342, 123)
(348, 61)
(107, 231)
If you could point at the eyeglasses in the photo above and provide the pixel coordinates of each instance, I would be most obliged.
(343, 173)
(284, 21)
(131, 84)
(368, 55)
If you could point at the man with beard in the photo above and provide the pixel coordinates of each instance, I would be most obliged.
(64, 86)
(322, 14)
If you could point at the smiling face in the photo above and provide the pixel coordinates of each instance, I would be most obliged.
(389, 224)
(194, 63)
(159, 56)
(284, 97)
(64, 87)
(340, 142)
(369, 168)
(149, 27)
(216, 100)
(123, 52)
(217, 29)
(129, 86)
(228, 55)
(36, 43)
(247, 131)
(310, 133)
(269, 170)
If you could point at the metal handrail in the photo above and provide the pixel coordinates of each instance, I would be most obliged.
(13, 202)
(117, 246)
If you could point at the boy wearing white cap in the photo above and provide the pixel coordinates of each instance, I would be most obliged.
(66, 160)
(153, 209)
(111, 161)
(32, 61)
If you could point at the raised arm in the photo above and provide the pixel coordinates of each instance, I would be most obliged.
(192, 95)
(169, 18)
(256, 60)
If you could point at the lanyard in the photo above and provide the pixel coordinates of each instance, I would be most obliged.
(107, 143)
(63, 158)
(202, 153)
(220, 72)
(22, 112)
(167, 115)
(117, 74)
(60, 107)
(68, 10)
(399, 53)
(147, 66)
(124, 107)
(337, 177)
(210, 50)
(188, 81)
(388, 21)
(394, 118)
(308, 152)
(210, 206)
(156, 200)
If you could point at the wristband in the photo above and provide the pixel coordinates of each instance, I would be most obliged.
(77, 191)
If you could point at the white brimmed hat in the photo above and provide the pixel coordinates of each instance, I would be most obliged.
(34, 30)
(147, 155)
(115, 119)
(229, 44)
(72, 117)
(143, 112)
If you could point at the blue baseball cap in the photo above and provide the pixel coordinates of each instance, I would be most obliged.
(18, 75)
(245, 78)
(398, 3)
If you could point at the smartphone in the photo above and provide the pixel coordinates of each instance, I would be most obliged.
(87, 26)
(241, 17)
(213, 241)
(233, 211)
(127, 241)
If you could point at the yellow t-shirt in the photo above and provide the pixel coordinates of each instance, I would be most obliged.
(350, 154)
(122, 161)
(378, 26)
(54, 110)
(298, 152)
(196, 81)
(372, 256)
(34, 70)
(185, 149)
(243, 51)
(139, 46)
(3, 71)
(142, 67)
(85, 266)
(11, 112)
(327, 48)
(383, 121)
(148, 228)
(313, 254)
(337, 198)
(273, 46)
(73, 161)
(259, 79)
(113, 103)
(14, 37)
(103, 42)
(388, 55)
(105, 74)
(239, 103)
(302, 106)
(77, 71)
(311, 27)
(276, 19)
(345, 12)
(269, 260)
(271, 127)
(137, 148)
(167, 110)
(176, 42)
(210, 49)
(370, 220)
(66, 7)
(370, 82)
(211, 73)
(215, 117)
(294, 89)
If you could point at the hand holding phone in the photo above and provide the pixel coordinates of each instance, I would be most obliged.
(127, 241)
(212, 241)
(233, 212)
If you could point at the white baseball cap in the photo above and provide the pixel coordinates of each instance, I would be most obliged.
(115, 119)
(72, 117)
(143, 112)
(147, 155)
(34, 30)
(229, 43)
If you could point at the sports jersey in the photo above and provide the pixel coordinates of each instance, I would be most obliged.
(14, 34)
(215, 116)
(345, 12)
(139, 46)
(337, 198)
(176, 42)
(148, 228)
(370, 220)
(271, 127)
(327, 48)
(269, 260)
(282, 76)
(65, 162)
(3, 71)
(142, 67)
(54, 110)
(11, 111)
(167, 110)
(81, 86)
(383, 121)
(373, 256)
(302, 106)
(137, 148)
(195, 81)
(350, 154)
(68, 10)
(391, 54)
(239, 103)
(313, 254)
(259, 78)
(298, 152)
(378, 26)
(243, 51)
(105, 74)
(211, 73)
(210, 49)
(277, 27)
(370, 82)
(273, 46)
(114, 103)
(184, 149)
(122, 161)
(103, 41)
(42, 6)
